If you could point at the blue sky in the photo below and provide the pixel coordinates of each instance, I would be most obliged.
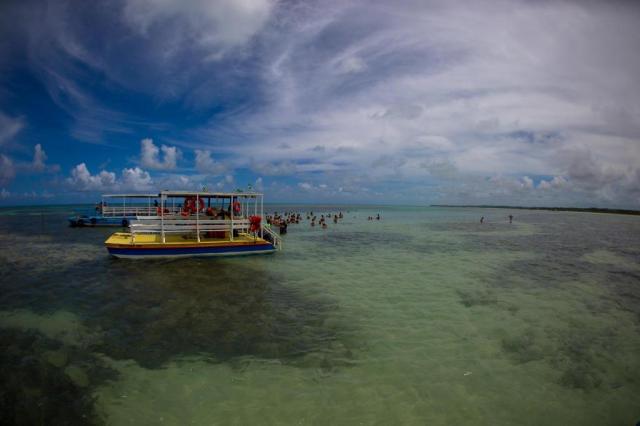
(418, 102)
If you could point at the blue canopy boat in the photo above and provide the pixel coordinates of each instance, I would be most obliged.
(117, 210)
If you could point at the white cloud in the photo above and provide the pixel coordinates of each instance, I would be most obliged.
(131, 179)
(82, 180)
(216, 25)
(39, 158)
(178, 182)
(206, 165)
(259, 184)
(281, 168)
(7, 170)
(433, 92)
(4, 194)
(501, 87)
(150, 155)
(350, 64)
(9, 127)
(136, 179)
(555, 183)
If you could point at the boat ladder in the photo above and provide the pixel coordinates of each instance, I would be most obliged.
(275, 238)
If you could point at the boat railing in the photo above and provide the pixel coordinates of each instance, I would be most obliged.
(130, 211)
(162, 226)
(275, 238)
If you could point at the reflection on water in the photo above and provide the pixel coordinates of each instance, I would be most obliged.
(405, 320)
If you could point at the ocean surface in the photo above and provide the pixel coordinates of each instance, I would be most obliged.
(424, 317)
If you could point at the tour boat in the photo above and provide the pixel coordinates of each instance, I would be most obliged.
(188, 223)
(117, 210)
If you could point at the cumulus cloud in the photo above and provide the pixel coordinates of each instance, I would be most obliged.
(39, 161)
(259, 184)
(150, 155)
(82, 180)
(206, 165)
(7, 170)
(555, 183)
(178, 182)
(134, 179)
(39, 158)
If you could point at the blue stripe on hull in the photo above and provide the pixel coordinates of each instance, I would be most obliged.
(191, 251)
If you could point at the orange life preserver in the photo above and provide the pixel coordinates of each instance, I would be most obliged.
(254, 222)
(236, 207)
(190, 204)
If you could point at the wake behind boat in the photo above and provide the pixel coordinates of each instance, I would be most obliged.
(208, 224)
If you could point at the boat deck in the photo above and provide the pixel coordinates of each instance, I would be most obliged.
(125, 239)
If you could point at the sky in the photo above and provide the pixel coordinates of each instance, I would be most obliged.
(533, 103)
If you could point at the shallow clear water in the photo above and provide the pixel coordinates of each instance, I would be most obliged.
(425, 317)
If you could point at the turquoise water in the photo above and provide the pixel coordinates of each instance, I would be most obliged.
(425, 317)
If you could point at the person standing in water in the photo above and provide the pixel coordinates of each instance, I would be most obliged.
(482, 219)
(510, 218)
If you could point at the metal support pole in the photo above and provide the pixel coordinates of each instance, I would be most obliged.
(198, 217)
(162, 203)
(231, 216)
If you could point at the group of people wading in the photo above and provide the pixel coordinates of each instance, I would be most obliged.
(282, 221)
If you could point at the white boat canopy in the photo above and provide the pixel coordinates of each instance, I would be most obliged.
(130, 195)
(206, 194)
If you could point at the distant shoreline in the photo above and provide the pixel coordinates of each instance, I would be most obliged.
(555, 209)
